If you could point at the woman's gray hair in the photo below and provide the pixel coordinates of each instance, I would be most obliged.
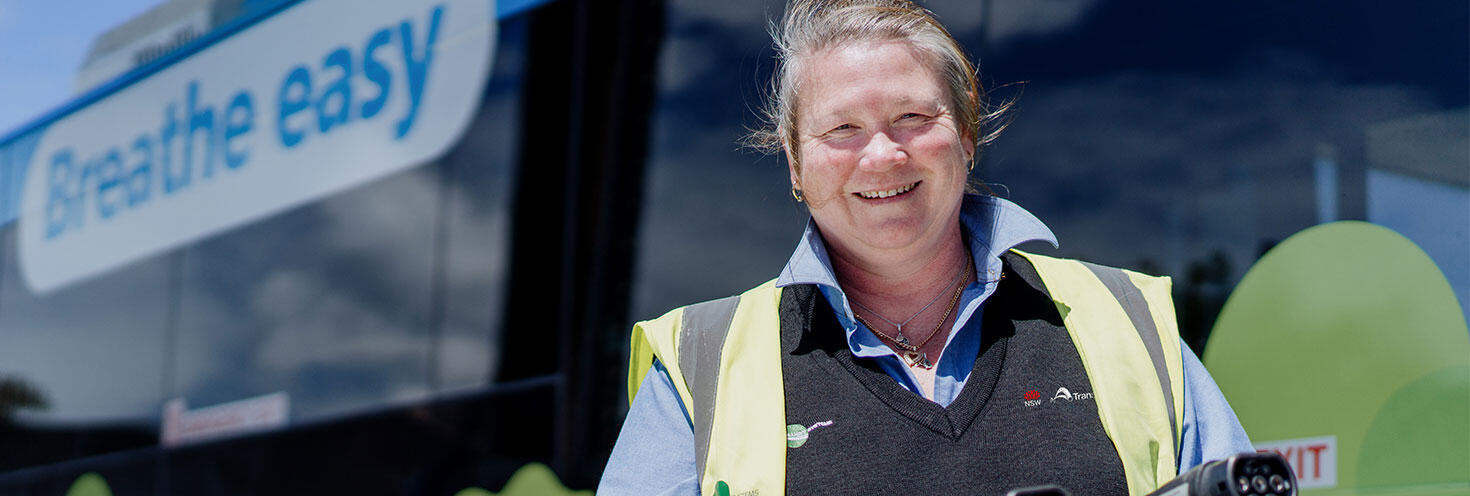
(810, 26)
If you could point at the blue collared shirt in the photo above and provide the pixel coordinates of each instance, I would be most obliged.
(655, 450)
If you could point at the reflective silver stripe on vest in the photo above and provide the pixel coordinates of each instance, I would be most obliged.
(701, 339)
(1136, 306)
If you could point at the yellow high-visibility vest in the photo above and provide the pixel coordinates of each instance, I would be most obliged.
(724, 358)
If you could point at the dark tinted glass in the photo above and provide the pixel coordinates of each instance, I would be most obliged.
(80, 368)
(387, 294)
(383, 294)
(717, 218)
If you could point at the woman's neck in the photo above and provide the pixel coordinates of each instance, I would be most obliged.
(898, 283)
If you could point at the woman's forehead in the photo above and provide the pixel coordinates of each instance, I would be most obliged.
(857, 76)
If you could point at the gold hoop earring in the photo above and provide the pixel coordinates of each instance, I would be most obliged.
(796, 193)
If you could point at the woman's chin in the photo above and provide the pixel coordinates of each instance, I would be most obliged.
(889, 236)
(883, 229)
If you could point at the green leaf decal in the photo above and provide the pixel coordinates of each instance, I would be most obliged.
(533, 479)
(89, 484)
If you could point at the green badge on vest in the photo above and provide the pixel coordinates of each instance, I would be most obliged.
(795, 435)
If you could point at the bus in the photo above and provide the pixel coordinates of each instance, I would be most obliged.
(396, 246)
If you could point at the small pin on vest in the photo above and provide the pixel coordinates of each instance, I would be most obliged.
(796, 434)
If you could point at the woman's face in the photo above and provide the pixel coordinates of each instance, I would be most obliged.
(883, 165)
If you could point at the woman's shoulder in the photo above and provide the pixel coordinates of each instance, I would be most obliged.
(1032, 263)
(765, 290)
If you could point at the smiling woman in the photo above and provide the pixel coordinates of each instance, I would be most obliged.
(873, 328)
(883, 174)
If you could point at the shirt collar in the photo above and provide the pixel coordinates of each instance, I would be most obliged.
(992, 225)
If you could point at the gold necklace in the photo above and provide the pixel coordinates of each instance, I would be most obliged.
(899, 325)
(911, 353)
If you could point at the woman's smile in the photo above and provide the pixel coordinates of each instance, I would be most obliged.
(887, 194)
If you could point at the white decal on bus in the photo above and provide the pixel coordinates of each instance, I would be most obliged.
(321, 97)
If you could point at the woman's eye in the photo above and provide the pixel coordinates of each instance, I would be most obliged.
(841, 130)
(910, 115)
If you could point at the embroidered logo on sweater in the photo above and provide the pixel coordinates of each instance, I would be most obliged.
(1064, 394)
(797, 434)
(1033, 398)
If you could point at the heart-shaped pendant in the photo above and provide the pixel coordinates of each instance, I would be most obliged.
(918, 359)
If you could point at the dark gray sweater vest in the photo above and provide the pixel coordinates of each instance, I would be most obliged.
(996, 436)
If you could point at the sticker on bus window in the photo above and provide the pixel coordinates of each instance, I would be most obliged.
(317, 99)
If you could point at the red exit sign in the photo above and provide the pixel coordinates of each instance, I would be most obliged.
(1314, 459)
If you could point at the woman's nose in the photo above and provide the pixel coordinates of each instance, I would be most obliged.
(882, 153)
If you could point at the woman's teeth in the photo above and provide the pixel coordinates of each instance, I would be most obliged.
(876, 195)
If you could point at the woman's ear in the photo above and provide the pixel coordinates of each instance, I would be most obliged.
(974, 131)
(791, 166)
(971, 134)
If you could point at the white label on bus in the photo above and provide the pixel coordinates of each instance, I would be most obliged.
(184, 426)
(319, 98)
